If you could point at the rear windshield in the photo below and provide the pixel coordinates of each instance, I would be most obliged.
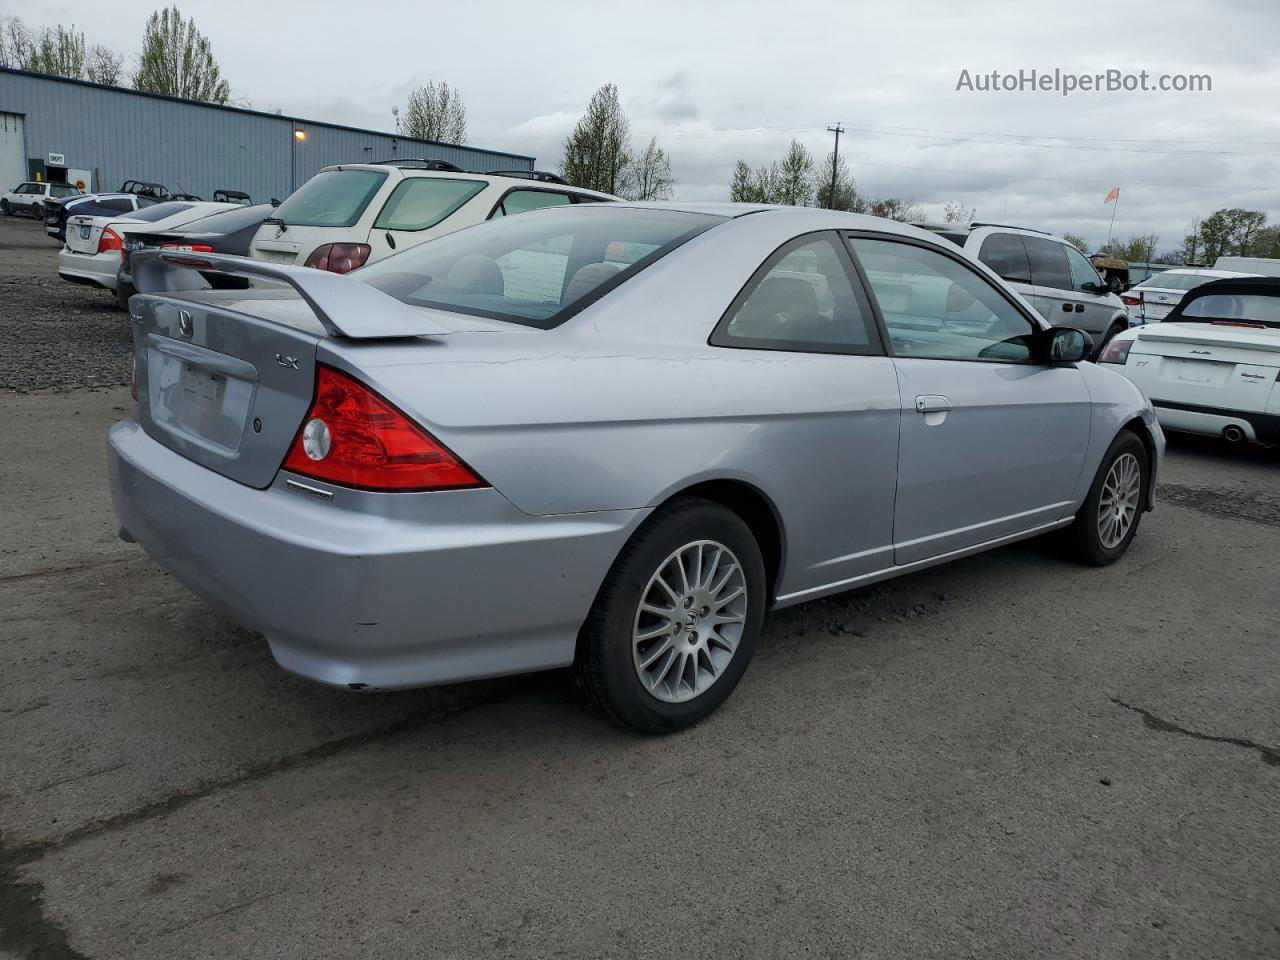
(159, 212)
(61, 190)
(229, 221)
(332, 198)
(1176, 281)
(1255, 307)
(538, 269)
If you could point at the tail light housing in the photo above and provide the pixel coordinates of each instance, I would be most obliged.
(1129, 301)
(354, 438)
(339, 257)
(187, 247)
(1116, 351)
(109, 240)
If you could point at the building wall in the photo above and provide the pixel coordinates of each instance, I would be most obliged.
(196, 148)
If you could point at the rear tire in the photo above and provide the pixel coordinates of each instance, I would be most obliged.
(5, 208)
(37, 212)
(1109, 517)
(676, 620)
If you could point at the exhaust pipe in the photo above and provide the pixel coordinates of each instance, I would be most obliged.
(1232, 434)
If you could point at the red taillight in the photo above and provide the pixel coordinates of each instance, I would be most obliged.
(188, 247)
(338, 257)
(1131, 301)
(354, 438)
(110, 240)
(1117, 351)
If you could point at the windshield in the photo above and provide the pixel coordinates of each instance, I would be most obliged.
(537, 269)
(332, 198)
(1175, 281)
(159, 211)
(1254, 307)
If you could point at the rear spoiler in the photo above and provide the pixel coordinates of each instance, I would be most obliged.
(345, 306)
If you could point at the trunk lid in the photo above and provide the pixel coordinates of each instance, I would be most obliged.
(1215, 366)
(83, 233)
(221, 386)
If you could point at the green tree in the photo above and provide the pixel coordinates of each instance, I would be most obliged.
(795, 186)
(1137, 249)
(1229, 232)
(892, 208)
(57, 51)
(597, 155)
(1077, 241)
(649, 176)
(835, 189)
(177, 60)
(436, 112)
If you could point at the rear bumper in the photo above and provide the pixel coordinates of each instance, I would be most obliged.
(96, 270)
(1213, 421)
(457, 586)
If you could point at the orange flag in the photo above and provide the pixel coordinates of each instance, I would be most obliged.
(1113, 195)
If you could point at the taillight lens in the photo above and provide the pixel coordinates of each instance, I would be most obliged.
(354, 438)
(110, 240)
(188, 247)
(1130, 301)
(338, 257)
(1117, 351)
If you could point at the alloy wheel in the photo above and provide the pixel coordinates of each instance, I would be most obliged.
(690, 619)
(1120, 500)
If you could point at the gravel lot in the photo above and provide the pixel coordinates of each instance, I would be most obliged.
(56, 335)
(1009, 756)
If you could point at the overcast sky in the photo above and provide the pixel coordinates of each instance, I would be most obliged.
(721, 81)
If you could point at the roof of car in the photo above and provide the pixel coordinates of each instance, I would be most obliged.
(514, 177)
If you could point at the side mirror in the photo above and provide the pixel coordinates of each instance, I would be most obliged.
(1090, 287)
(1069, 345)
(275, 202)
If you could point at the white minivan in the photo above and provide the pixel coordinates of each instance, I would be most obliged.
(351, 214)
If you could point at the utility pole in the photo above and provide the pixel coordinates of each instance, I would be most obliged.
(835, 164)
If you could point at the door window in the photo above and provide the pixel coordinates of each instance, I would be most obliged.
(938, 308)
(1048, 260)
(522, 201)
(1082, 271)
(1006, 256)
(804, 298)
(421, 202)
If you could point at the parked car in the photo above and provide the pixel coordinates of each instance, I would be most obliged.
(610, 435)
(357, 213)
(91, 256)
(1151, 300)
(146, 188)
(89, 205)
(229, 230)
(30, 197)
(1257, 266)
(1054, 276)
(1211, 366)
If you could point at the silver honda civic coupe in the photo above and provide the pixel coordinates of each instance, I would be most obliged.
(610, 436)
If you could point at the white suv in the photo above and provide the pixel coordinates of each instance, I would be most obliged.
(30, 197)
(1054, 276)
(355, 213)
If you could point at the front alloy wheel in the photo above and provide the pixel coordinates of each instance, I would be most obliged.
(1108, 519)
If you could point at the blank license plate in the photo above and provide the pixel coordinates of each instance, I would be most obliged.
(201, 390)
(84, 232)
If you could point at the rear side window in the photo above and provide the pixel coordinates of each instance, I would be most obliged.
(1049, 267)
(522, 201)
(803, 299)
(60, 190)
(537, 271)
(332, 198)
(1006, 256)
(115, 205)
(422, 202)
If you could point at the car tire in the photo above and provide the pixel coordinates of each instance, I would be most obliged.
(660, 672)
(1108, 519)
(37, 212)
(5, 208)
(123, 292)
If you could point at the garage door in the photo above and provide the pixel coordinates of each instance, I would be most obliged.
(13, 152)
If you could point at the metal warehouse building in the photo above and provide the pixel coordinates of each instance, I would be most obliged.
(57, 129)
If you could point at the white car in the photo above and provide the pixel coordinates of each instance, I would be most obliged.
(30, 197)
(91, 255)
(1054, 277)
(357, 213)
(1151, 300)
(1213, 365)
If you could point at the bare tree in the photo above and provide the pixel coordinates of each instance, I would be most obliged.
(892, 208)
(597, 155)
(649, 176)
(16, 43)
(436, 112)
(103, 65)
(177, 60)
(955, 212)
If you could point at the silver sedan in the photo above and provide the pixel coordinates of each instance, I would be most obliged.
(609, 436)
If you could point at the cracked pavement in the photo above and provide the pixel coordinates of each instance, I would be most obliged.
(1007, 756)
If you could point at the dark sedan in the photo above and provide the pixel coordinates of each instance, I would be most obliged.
(227, 231)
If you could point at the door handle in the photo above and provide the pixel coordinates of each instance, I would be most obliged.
(932, 403)
(1066, 308)
(1079, 308)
